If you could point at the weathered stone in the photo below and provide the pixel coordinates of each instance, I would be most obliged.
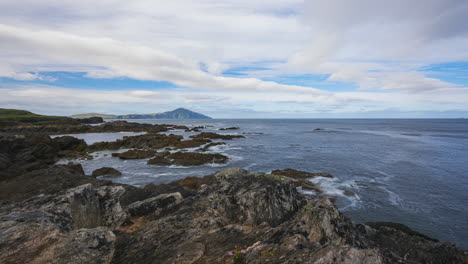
(296, 174)
(106, 171)
(135, 154)
(211, 135)
(160, 202)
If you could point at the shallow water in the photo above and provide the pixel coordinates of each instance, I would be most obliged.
(410, 171)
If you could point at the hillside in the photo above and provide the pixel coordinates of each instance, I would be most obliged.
(11, 117)
(16, 115)
(88, 115)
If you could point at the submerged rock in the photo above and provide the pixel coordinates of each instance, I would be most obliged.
(135, 154)
(211, 135)
(230, 128)
(208, 146)
(297, 174)
(106, 171)
(188, 159)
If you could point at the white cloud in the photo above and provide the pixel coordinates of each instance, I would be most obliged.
(380, 46)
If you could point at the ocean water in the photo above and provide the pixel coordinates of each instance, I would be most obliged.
(413, 172)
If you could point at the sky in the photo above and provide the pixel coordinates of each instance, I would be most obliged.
(237, 58)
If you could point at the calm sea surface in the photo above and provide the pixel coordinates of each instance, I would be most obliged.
(413, 172)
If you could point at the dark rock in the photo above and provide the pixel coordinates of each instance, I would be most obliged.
(230, 128)
(135, 154)
(397, 242)
(208, 146)
(106, 171)
(195, 183)
(196, 142)
(150, 205)
(73, 227)
(296, 174)
(49, 180)
(70, 143)
(211, 135)
(195, 159)
(158, 160)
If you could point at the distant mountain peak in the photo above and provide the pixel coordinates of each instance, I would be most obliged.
(179, 113)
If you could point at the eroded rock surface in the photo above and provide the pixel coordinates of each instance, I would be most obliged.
(106, 171)
(188, 159)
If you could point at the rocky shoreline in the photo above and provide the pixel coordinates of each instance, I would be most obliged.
(56, 214)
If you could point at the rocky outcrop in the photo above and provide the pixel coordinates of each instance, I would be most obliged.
(263, 214)
(300, 179)
(135, 154)
(297, 174)
(150, 141)
(211, 135)
(74, 126)
(229, 128)
(56, 214)
(73, 227)
(151, 205)
(208, 146)
(188, 159)
(106, 171)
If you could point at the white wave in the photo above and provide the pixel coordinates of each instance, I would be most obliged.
(250, 166)
(334, 187)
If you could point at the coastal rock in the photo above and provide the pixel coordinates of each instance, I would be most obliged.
(106, 171)
(196, 142)
(188, 159)
(230, 128)
(135, 154)
(70, 143)
(195, 183)
(74, 227)
(211, 135)
(158, 160)
(301, 178)
(150, 205)
(195, 159)
(208, 146)
(297, 174)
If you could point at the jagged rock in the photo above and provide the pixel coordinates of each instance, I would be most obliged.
(195, 183)
(43, 181)
(196, 142)
(297, 174)
(208, 146)
(150, 205)
(106, 171)
(230, 128)
(70, 143)
(89, 245)
(158, 160)
(187, 159)
(211, 135)
(301, 178)
(195, 159)
(73, 227)
(135, 154)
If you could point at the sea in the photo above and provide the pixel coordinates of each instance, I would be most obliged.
(410, 171)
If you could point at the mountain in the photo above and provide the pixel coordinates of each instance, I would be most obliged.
(88, 115)
(179, 113)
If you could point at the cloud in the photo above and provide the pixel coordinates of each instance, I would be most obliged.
(124, 60)
(381, 47)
